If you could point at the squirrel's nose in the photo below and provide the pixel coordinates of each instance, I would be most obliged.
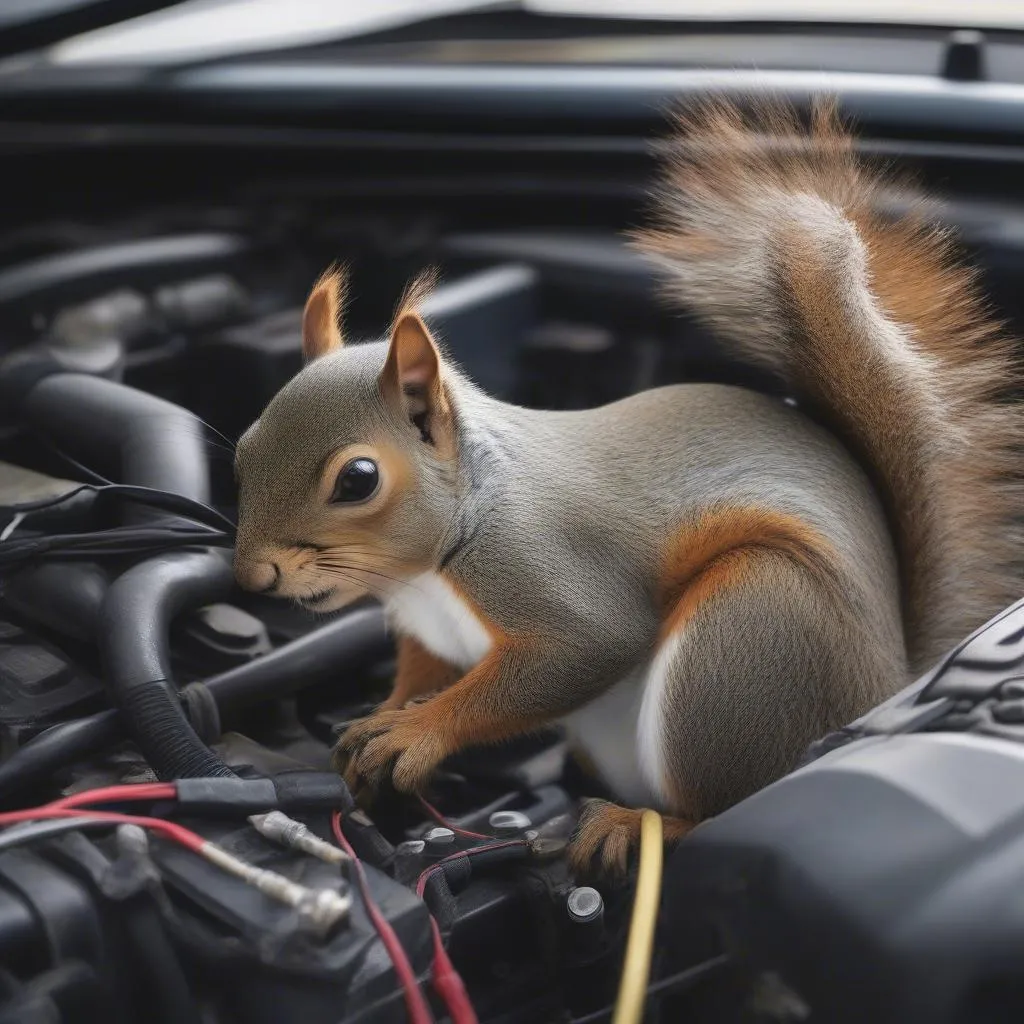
(261, 577)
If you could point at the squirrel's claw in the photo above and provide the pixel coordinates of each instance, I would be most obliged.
(607, 838)
(400, 741)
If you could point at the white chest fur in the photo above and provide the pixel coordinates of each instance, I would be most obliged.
(429, 609)
(607, 729)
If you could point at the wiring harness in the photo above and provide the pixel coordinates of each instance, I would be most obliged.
(266, 804)
(186, 523)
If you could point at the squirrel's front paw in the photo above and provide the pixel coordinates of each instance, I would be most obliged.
(401, 741)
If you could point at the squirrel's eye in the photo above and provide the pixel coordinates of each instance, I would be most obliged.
(357, 481)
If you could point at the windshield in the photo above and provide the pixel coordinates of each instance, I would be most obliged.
(201, 29)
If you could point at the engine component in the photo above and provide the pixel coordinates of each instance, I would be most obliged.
(39, 686)
(878, 859)
(250, 953)
(890, 902)
(134, 625)
(118, 431)
(88, 269)
(480, 317)
(353, 641)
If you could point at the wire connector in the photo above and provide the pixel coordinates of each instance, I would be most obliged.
(279, 828)
(321, 908)
(295, 790)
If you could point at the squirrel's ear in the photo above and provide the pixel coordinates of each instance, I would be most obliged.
(412, 378)
(321, 319)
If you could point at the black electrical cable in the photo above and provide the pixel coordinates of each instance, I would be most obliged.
(168, 501)
(673, 983)
(113, 543)
(79, 467)
(26, 507)
(162, 977)
(20, 835)
(358, 638)
(208, 527)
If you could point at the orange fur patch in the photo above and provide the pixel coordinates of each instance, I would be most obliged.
(930, 409)
(418, 672)
(714, 553)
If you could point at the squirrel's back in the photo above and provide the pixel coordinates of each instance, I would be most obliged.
(776, 237)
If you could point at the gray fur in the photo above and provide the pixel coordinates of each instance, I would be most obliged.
(555, 524)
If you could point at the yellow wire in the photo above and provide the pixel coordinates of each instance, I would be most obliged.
(636, 969)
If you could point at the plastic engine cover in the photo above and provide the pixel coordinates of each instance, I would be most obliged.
(882, 881)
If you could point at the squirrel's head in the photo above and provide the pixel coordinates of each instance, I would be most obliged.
(347, 481)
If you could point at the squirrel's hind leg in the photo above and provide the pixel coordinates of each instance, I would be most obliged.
(607, 838)
(760, 657)
(768, 658)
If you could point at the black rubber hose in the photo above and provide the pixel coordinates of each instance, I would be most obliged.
(63, 596)
(126, 434)
(134, 629)
(347, 644)
(56, 748)
(351, 642)
(161, 975)
(143, 440)
(121, 432)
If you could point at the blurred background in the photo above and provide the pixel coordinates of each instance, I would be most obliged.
(509, 143)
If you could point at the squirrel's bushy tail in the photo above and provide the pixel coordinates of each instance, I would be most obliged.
(774, 233)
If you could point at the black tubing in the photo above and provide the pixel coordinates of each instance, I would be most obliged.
(350, 642)
(168, 995)
(126, 434)
(143, 440)
(134, 628)
(58, 747)
(63, 596)
(347, 644)
(123, 433)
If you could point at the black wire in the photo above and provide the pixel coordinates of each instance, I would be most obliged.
(167, 501)
(171, 502)
(35, 506)
(122, 540)
(18, 835)
(89, 474)
(673, 983)
(199, 524)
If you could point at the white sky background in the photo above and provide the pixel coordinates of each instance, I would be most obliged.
(201, 29)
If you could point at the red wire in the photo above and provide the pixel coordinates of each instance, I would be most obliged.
(118, 794)
(177, 833)
(442, 820)
(448, 984)
(421, 882)
(446, 980)
(419, 1012)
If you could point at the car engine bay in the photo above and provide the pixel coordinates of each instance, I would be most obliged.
(150, 306)
(143, 359)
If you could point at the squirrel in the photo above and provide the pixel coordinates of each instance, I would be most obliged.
(698, 580)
